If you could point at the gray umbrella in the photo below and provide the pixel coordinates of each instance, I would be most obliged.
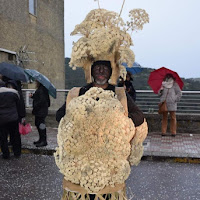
(35, 75)
(13, 72)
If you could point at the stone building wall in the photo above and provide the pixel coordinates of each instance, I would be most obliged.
(42, 34)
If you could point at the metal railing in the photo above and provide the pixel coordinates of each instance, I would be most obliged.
(189, 103)
(29, 102)
(147, 100)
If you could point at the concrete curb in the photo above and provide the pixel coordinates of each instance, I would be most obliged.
(50, 152)
(172, 159)
(37, 151)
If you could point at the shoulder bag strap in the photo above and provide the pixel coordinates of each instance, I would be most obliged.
(167, 94)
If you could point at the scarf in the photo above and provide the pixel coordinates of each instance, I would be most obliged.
(168, 83)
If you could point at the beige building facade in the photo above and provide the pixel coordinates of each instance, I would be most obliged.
(32, 36)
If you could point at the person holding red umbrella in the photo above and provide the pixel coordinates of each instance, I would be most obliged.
(171, 92)
(168, 85)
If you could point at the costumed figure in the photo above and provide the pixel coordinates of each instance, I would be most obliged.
(102, 131)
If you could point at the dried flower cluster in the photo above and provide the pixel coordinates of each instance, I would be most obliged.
(94, 139)
(104, 34)
(138, 17)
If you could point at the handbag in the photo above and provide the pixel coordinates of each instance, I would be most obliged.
(24, 128)
(162, 107)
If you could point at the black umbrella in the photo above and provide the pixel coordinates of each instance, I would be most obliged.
(13, 72)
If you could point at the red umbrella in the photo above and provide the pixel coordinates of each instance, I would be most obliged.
(156, 78)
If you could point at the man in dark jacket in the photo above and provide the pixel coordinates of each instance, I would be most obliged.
(41, 102)
(101, 72)
(17, 86)
(9, 108)
(22, 110)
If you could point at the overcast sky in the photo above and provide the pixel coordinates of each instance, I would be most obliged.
(171, 39)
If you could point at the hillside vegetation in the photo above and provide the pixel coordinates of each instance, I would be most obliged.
(76, 78)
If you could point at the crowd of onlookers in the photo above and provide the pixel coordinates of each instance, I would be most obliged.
(12, 109)
(13, 112)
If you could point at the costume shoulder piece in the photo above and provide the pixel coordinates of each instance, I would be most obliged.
(74, 92)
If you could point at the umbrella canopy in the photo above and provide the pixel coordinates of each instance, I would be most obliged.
(156, 78)
(13, 72)
(35, 75)
(136, 68)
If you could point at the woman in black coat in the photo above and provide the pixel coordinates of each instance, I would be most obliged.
(41, 102)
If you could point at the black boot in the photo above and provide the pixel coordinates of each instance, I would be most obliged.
(43, 141)
(6, 156)
(37, 142)
(41, 144)
(40, 136)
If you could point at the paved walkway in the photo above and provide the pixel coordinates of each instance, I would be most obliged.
(185, 146)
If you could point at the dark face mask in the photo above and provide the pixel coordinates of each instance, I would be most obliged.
(101, 74)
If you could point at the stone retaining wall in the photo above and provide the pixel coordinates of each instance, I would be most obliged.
(185, 123)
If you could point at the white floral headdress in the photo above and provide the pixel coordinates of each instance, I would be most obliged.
(105, 37)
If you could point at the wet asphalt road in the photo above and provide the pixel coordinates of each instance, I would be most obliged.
(36, 177)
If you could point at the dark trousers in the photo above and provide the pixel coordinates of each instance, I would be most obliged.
(39, 121)
(41, 127)
(12, 129)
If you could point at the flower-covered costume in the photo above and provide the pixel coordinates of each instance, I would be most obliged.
(97, 139)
